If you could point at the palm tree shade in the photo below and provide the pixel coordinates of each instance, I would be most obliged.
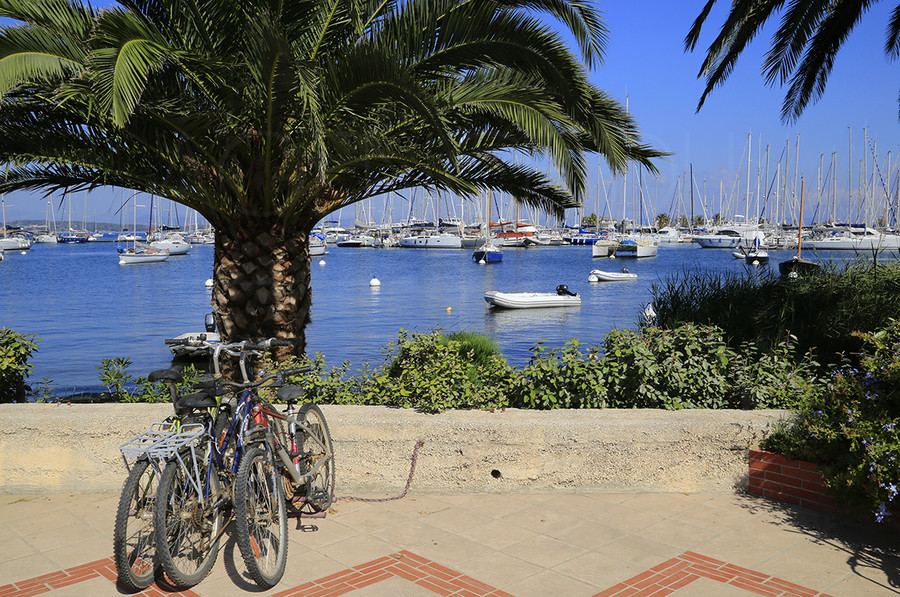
(267, 115)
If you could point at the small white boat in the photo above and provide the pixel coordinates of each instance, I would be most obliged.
(532, 300)
(598, 275)
(173, 243)
(188, 351)
(141, 255)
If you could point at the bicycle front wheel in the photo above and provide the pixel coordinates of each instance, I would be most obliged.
(187, 522)
(134, 547)
(261, 517)
(318, 456)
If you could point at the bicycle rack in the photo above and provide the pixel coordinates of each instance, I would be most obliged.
(163, 441)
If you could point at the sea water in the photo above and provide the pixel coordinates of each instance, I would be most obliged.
(85, 307)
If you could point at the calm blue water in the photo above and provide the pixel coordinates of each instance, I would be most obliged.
(86, 307)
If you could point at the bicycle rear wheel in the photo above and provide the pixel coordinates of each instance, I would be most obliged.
(316, 451)
(134, 547)
(187, 527)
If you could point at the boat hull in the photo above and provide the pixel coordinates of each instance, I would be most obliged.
(530, 300)
(603, 276)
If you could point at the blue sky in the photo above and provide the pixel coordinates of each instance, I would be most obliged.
(646, 64)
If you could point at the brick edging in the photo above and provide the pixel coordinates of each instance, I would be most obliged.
(794, 482)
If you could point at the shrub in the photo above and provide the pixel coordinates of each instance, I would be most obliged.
(15, 350)
(852, 430)
(821, 312)
(560, 378)
(434, 372)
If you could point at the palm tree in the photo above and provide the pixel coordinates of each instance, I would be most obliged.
(265, 116)
(803, 48)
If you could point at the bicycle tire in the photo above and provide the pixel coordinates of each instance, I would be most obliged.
(134, 545)
(320, 487)
(187, 532)
(261, 517)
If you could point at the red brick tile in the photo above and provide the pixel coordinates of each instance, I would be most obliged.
(710, 572)
(746, 572)
(407, 572)
(668, 564)
(336, 575)
(334, 592)
(678, 583)
(761, 465)
(471, 584)
(108, 574)
(635, 580)
(468, 593)
(411, 556)
(431, 585)
(652, 580)
(73, 580)
(440, 571)
(701, 559)
(372, 578)
(789, 586)
(786, 480)
(757, 588)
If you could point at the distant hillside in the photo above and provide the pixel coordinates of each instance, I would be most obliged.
(77, 225)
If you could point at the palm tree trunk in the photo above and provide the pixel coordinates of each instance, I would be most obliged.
(261, 284)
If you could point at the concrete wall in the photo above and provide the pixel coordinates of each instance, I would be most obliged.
(55, 448)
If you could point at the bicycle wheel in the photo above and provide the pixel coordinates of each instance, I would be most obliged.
(261, 517)
(134, 547)
(316, 450)
(187, 528)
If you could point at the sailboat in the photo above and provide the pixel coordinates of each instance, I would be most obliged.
(140, 253)
(16, 242)
(48, 236)
(797, 266)
(487, 252)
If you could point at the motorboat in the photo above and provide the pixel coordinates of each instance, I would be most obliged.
(192, 351)
(174, 243)
(434, 240)
(317, 245)
(598, 275)
(532, 300)
(357, 240)
(140, 254)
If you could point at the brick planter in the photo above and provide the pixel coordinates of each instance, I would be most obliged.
(793, 482)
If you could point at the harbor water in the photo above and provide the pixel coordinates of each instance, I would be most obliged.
(85, 307)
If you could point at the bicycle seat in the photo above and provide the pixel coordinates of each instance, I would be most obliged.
(191, 402)
(172, 374)
(290, 393)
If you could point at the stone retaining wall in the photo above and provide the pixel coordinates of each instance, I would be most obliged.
(55, 448)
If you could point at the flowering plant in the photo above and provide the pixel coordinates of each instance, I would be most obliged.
(852, 430)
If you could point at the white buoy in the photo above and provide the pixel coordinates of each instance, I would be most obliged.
(24, 253)
(755, 262)
(121, 262)
(482, 261)
(593, 278)
(613, 256)
(374, 282)
(321, 262)
(209, 283)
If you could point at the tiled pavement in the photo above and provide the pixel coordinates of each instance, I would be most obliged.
(560, 544)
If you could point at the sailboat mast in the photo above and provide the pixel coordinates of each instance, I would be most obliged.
(800, 223)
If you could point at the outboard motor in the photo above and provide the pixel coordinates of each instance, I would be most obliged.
(210, 322)
(563, 290)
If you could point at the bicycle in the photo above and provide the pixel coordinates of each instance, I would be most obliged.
(134, 548)
(198, 487)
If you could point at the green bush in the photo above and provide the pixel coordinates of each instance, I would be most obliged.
(434, 372)
(122, 387)
(15, 350)
(560, 378)
(820, 312)
(852, 430)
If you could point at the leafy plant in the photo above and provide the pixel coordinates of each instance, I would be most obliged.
(433, 372)
(852, 430)
(560, 378)
(15, 350)
(114, 375)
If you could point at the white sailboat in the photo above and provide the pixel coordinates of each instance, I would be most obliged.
(140, 253)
